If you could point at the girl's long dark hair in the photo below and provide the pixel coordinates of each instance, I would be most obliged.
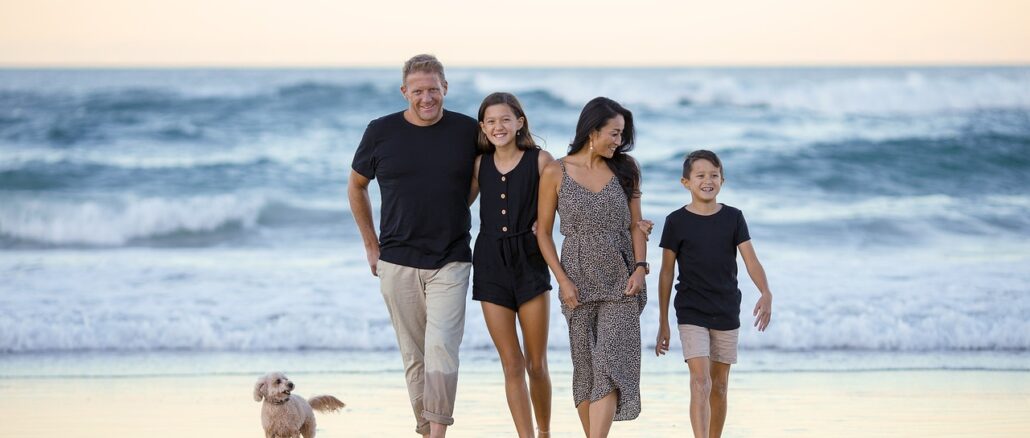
(523, 138)
(594, 116)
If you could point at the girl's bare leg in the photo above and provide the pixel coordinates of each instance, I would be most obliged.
(534, 316)
(500, 321)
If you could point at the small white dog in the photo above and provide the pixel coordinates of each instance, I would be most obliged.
(286, 415)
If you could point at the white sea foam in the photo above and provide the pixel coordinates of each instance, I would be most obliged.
(291, 150)
(295, 299)
(117, 221)
(879, 91)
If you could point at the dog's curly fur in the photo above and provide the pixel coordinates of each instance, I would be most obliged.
(287, 415)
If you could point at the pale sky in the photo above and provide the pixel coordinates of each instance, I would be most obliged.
(105, 33)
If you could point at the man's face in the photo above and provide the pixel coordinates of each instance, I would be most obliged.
(424, 92)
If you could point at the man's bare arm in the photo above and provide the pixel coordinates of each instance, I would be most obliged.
(361, 208)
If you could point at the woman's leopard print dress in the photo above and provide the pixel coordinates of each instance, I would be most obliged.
(604, 330)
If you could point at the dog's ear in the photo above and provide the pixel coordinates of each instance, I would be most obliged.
(259, 389)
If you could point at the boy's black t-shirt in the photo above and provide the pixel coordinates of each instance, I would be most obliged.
(706, 255)
(424, 173)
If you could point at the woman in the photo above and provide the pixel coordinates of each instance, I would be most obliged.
(510, 276)
(596, 191)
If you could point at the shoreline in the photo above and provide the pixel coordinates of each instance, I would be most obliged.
(123, 364)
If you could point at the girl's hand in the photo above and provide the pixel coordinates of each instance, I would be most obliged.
(763, 311)
(635, 283)
(662, 343)
(568, 294)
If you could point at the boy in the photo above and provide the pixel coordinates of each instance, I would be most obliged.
(703, 238)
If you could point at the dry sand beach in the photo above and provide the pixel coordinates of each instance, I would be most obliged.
(199, 394)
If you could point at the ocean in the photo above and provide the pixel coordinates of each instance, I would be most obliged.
(186, 212)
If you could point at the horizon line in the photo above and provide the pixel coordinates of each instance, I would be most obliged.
(156, 66)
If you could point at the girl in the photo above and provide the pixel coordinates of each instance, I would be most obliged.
(509, 275)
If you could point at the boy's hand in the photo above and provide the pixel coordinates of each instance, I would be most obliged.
(763, 311)
(568, 294)
(662, 343)
(645, 226)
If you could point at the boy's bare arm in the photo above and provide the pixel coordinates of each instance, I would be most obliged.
(763, 308)
(664, 293)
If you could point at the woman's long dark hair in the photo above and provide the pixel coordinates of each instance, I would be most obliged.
(523, 139)
(594, 116)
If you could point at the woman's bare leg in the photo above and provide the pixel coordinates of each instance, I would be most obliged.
(602, 413)
(583, 409)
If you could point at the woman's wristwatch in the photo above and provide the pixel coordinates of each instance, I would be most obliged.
(645, 265)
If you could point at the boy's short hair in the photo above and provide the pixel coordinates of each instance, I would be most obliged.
(423, 63)
(701, 154)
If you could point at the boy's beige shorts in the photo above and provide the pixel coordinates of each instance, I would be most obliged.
(717, 345)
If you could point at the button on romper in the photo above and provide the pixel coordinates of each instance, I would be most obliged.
(604, 330)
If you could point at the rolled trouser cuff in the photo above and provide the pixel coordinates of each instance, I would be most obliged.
(437, 418)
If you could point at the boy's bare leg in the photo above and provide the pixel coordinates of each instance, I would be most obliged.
(700, 391)
(720, 383)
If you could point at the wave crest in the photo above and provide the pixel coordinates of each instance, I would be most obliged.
(835, 91)
(113, 223)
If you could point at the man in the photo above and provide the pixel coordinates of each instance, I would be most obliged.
(423, 157)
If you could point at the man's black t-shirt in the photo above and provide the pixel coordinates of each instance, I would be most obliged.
(706, 255)
(424, 174)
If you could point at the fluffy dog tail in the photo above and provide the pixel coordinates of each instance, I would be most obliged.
(325, 403)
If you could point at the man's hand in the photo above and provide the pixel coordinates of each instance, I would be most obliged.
(372, 254)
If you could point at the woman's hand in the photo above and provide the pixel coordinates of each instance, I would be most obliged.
(635, 283)
(662, 343)
(568, 294)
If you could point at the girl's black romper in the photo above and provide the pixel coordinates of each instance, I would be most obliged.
(508, 269)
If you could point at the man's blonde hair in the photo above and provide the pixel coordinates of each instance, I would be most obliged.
(425, 64)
